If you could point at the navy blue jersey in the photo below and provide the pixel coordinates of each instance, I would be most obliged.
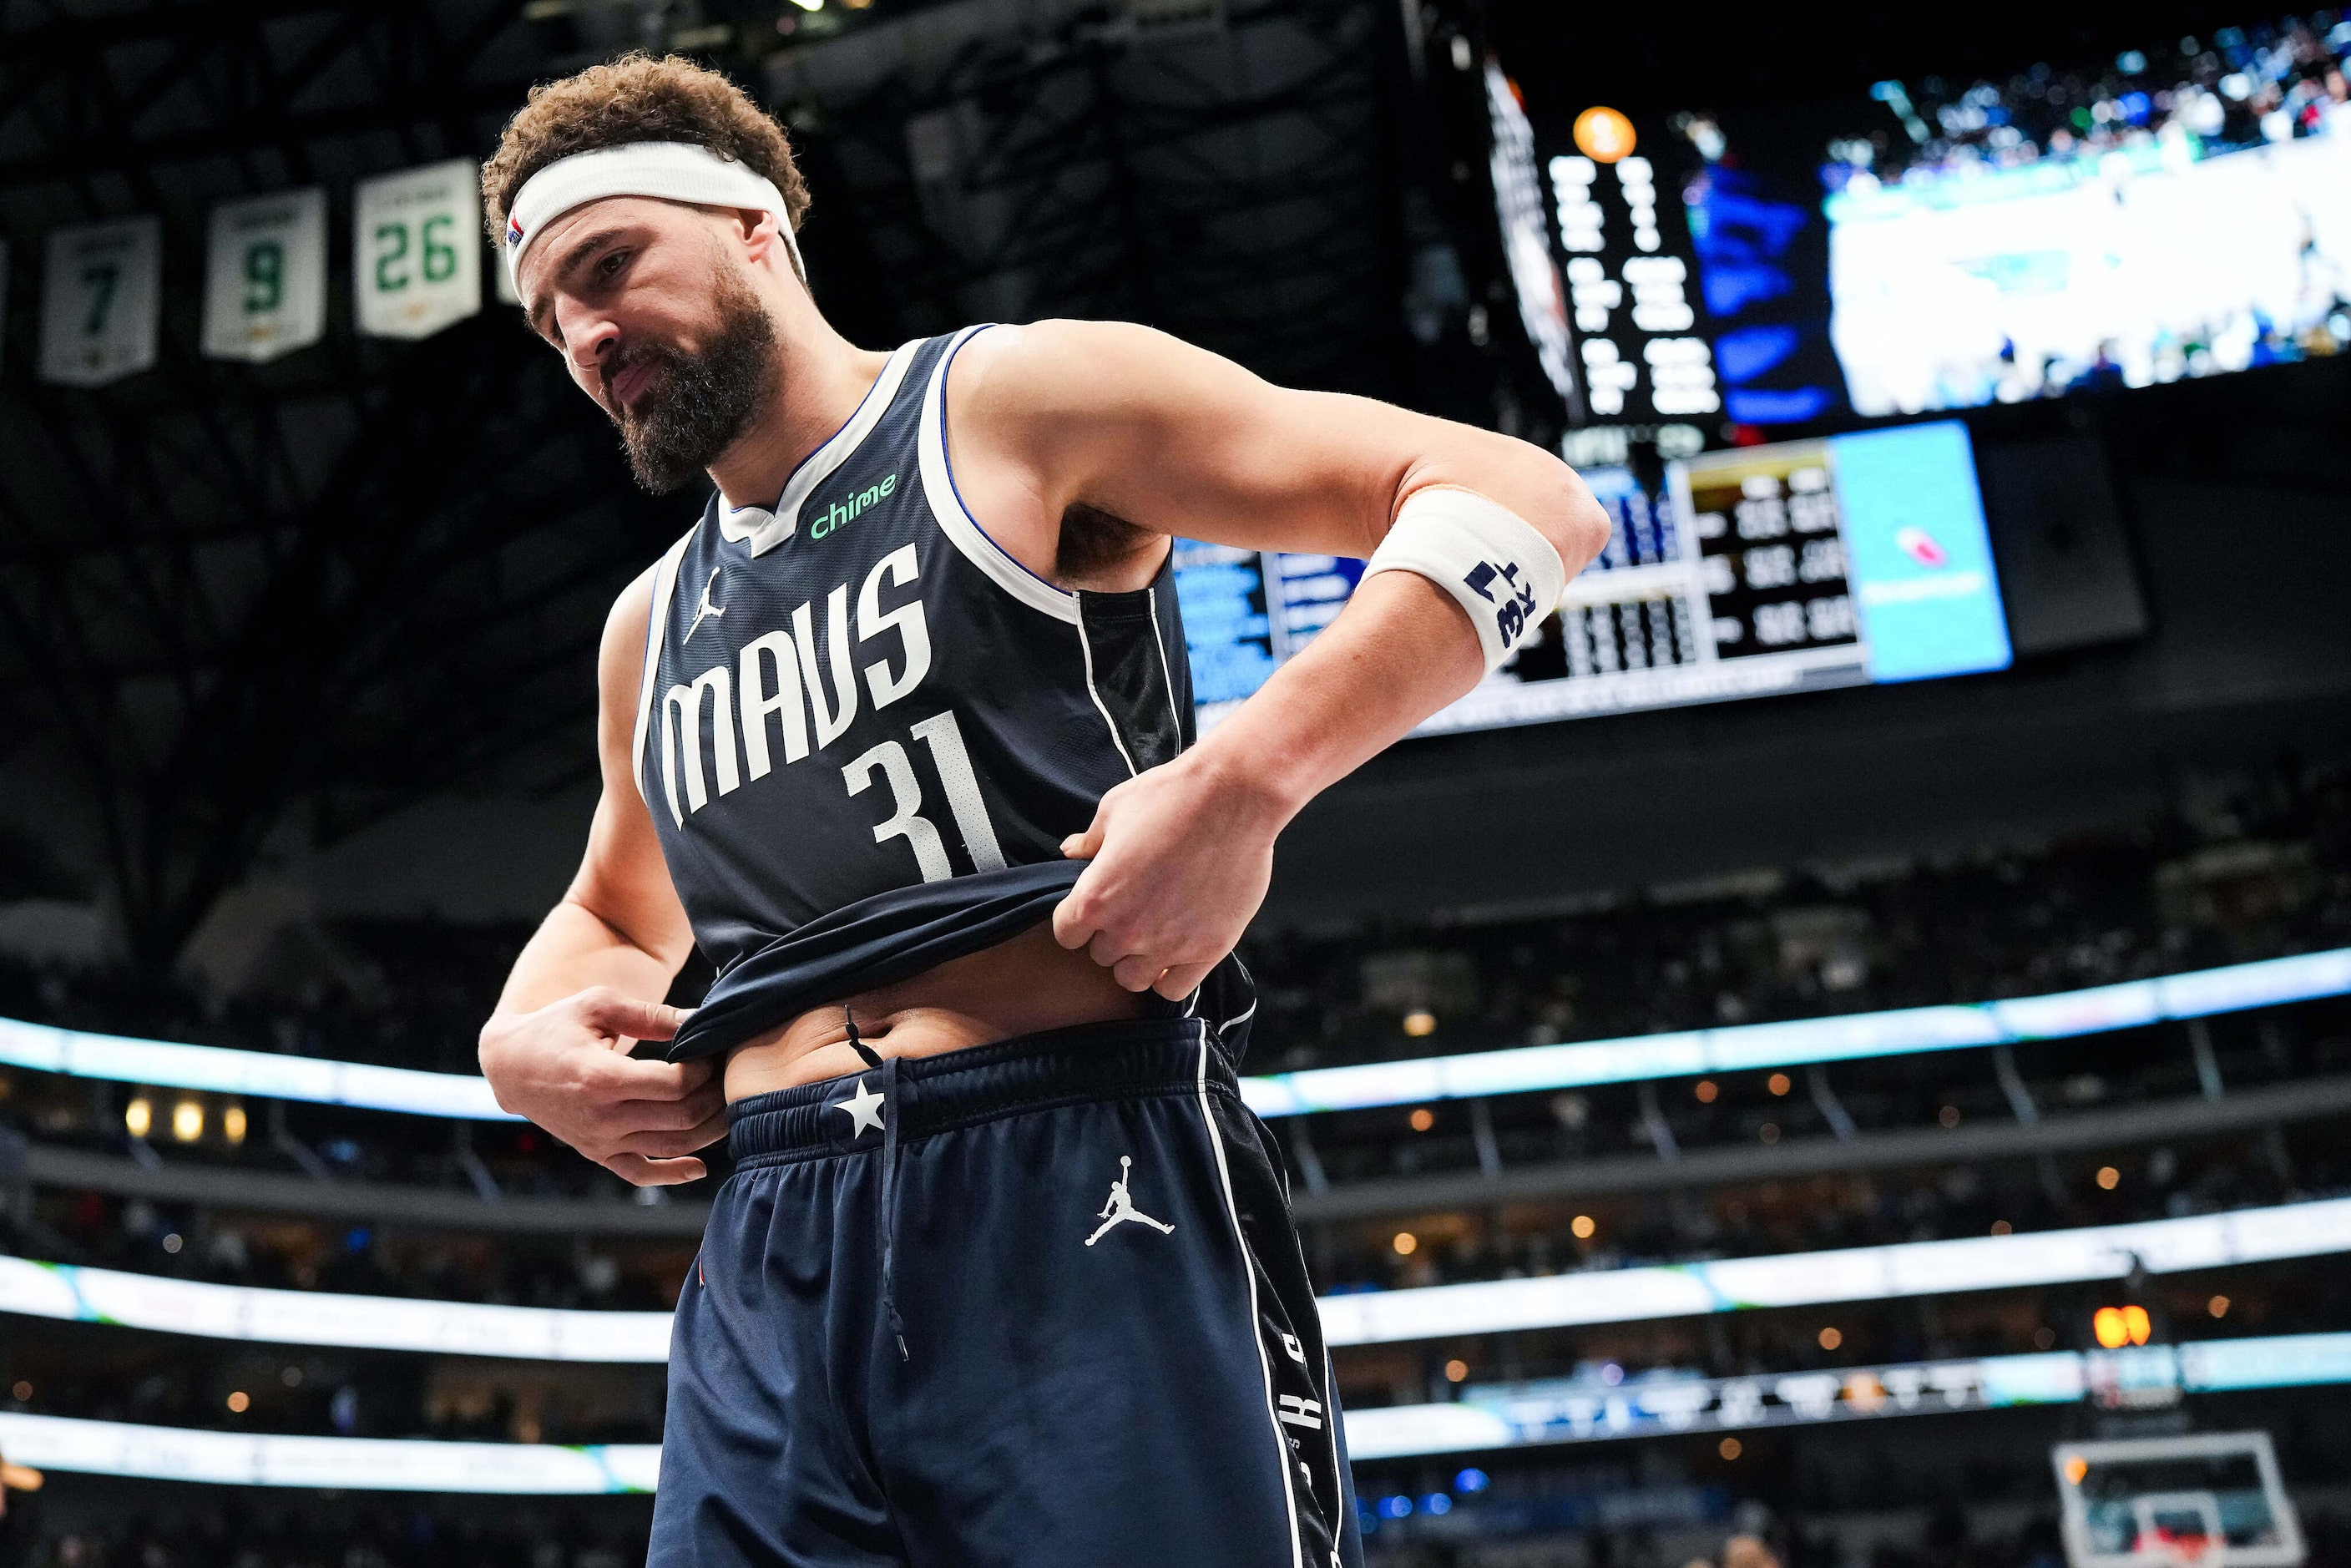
(865, 729)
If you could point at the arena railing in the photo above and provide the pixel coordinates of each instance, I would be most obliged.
(1900, 1270)
(2099, 1010)
(1485, 1419)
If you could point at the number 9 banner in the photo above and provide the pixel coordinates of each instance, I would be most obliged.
(99, 301)
(265, 276)
(416, 249)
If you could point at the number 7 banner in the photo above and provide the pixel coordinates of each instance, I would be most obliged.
(99, 301)
(416, 249)
(265, 276)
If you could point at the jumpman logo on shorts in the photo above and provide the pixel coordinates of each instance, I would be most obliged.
(705, 611)
(1120, 1207)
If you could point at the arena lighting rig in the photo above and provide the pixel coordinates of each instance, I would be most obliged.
(2061, 1015)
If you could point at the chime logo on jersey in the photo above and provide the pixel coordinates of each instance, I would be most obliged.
(795, 685)
(844, 511)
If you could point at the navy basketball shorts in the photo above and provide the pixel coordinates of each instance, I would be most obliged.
(1037, 1303)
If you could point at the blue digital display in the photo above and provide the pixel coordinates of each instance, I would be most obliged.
(1916, 554)
(1788, 567)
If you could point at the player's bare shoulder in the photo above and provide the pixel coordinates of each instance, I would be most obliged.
(1034, 377)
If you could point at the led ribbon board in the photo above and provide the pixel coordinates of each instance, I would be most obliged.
(1849, 1274)
(357, 1464)
(1751, 1047)
(222, 1071)
(1374, 1317)
(319, 1317)
(1521, 1069)
(1583, 1411)
(1504, 1418)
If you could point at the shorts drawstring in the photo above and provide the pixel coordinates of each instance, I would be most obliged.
(894, 1109)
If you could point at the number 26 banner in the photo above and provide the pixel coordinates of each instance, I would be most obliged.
(265, 276)
(416, 249)
(100, 301)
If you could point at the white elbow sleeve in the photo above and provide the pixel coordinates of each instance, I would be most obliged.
(1491, 561)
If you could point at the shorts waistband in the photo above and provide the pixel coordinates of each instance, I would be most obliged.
(1126, 1058)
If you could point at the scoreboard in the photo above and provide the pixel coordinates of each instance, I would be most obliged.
(1782, 567)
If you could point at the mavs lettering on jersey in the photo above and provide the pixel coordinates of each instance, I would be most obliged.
(831, 712)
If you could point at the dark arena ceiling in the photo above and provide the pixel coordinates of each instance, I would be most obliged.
(321, 588)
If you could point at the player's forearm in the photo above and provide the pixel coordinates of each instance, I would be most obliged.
(574, 949)
(1401, 651)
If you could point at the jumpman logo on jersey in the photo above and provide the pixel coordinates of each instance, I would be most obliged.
(705, 611)
(1120, 1207)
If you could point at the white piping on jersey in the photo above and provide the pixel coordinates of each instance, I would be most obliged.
(664, 590)
(1160, 641)
(1086, 650)
(762, 527)
(1248, 1273)
(947, 507)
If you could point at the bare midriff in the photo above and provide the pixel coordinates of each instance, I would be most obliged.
(1022, 986)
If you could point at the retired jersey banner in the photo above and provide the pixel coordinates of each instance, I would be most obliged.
(416, 249)
(265, 276)
(99, 299)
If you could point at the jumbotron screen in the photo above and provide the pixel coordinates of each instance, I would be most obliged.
(2179, 210)
(1803, 564)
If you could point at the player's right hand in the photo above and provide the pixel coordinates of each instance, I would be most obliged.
(567, 1067)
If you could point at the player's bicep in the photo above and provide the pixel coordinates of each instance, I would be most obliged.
(1183, 442)
(1180, 440)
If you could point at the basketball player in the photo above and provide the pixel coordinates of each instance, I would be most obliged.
(900, 734)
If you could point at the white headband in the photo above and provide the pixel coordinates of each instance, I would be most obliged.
(666, 171)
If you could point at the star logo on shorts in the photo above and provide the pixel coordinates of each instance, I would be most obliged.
(864, 1109)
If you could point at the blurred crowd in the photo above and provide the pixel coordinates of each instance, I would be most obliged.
(245, 1529)
(2263, 871)
(2241, 87)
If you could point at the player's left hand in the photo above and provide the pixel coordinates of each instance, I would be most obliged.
(1182, 855)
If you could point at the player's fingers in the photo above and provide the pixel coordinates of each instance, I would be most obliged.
(671, 1115)
(612, 1077)
(639, 1171)
(1137, 973)
(1074, 927)
(1086, 845)
(1111, 952)
(1182, 980)
(611, 1013)
(663, 1144)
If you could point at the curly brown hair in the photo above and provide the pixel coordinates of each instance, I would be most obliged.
(637, 98)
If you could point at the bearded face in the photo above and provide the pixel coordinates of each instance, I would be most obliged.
(696, 404)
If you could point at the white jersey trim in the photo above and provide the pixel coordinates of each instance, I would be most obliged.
(664, 590)
(1248, 1273)
(947, 507)
(1086, 652)
(763, 528)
